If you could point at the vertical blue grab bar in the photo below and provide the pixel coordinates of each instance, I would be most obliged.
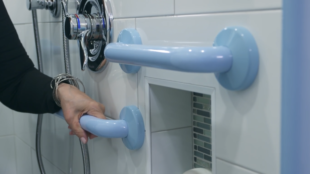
(233, 58)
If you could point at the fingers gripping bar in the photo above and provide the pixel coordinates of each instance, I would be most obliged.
(130, 127)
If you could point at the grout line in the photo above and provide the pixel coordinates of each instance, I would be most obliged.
(235, 164)
(171, 129)
(174, 7)
(203, 122)
(15, 150)
(27, 23)
(204, 136)
(204, 160)
(202, 97)
(205, 13)
(192, 131)
(202, 110)
(12, 135)
(2, 136)
(232, 11)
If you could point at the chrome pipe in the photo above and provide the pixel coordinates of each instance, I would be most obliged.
(40, 67)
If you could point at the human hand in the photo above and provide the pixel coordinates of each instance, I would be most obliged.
(75, 104)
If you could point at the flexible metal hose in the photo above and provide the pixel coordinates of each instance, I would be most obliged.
(40, 67)
(84, 147)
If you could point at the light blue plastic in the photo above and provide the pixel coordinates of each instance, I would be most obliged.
(129, 37)
(130, 127)
(136, 130)
(295, 90)
(245, 65)
(234, 58)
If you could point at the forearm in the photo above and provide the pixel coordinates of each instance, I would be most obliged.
(22, 87)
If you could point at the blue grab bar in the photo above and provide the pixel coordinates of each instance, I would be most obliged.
(130, 127)
(188, 59)
(233, 58)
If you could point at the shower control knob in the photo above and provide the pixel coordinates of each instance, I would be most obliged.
(77, 23)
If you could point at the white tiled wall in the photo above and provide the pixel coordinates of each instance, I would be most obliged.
(247, 124)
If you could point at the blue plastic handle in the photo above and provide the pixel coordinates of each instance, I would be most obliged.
(130, 127)
(188, 59)
(234, 57)
(102, 127)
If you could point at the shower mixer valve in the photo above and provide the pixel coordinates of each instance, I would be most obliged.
(52, 5)
(91, 28)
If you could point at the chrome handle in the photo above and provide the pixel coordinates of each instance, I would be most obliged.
(83, 42)
(233, 58)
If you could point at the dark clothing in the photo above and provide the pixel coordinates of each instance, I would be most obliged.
(22, 87)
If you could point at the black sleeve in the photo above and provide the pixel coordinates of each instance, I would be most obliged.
(22, 87)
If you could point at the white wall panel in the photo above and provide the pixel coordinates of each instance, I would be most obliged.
(6, 123)
(207, 6)
(7, 155)
(247, 122)
(23, 157)
(18, 11)
(48, 166)
(25, 127)
(142, 8)
(170, 108)
(26, 36)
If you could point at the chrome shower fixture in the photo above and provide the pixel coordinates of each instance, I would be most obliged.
(91, 26)
(52, 5)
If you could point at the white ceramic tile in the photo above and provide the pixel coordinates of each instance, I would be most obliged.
(63, 149)
(61, 146)
(6, 124)
(223, 167)
(48, 166)
(23, 157)
(7, 155)
(48, 137)
(57, 55)
(172, 151)
(105, 156)
(139, 8)
(247, 123)
(206, 6)
(111, 156)
(170, 108)
(26, 36)
(46, 47)
(25, 127)
(18, 11)
(77, 158)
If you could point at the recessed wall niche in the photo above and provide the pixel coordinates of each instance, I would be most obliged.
(181, 131)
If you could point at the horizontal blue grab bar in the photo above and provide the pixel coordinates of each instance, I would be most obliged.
(233, 58)
(188, 59)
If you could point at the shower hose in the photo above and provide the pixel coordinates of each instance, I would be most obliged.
(84, 147)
